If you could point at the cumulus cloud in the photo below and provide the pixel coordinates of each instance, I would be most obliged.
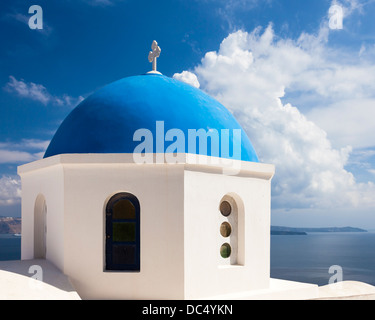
(10, 190)
(18, 153)
(251, 74)
(187, 77)
(348, 122)
(38, 92)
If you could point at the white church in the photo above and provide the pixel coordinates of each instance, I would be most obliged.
(126, 214)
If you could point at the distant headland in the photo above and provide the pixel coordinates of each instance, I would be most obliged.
(10, 225)
(276, 230)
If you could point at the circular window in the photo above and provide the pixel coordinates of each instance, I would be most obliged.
(225, 229)
(225, 208)
(225, 250)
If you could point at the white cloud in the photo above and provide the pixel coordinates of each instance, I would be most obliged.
(10, 190)
(348, 122)
(19, 17)
(30, 90)
(7, 156)
(38, 92)
(34, 144)
(187, 77)
(350, 6)
(251, 73)
(22, 152)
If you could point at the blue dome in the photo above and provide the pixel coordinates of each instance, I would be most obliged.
(106, 121)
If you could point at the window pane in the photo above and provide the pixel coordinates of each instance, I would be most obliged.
(123, 231)
(225, 250)
(123, 209)
(225, 229)
(123, 254)
(225, 208)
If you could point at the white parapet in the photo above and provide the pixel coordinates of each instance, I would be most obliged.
(34, 280)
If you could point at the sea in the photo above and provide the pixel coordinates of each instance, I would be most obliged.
(316, 258)
(10, 247)
(321, 258)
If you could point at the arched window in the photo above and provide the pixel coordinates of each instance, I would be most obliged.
(40, 228)
(232, 232)
(123, 233)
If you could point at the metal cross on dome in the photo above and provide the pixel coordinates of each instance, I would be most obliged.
(155, 53)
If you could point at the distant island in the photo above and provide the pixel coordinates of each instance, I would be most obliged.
(10, 225)
(276, 230)
(287, 233)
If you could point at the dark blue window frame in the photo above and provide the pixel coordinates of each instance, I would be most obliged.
(111, 244)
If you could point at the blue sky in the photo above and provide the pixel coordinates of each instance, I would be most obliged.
(304, 93)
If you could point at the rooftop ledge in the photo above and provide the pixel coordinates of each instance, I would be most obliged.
(189, 161)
